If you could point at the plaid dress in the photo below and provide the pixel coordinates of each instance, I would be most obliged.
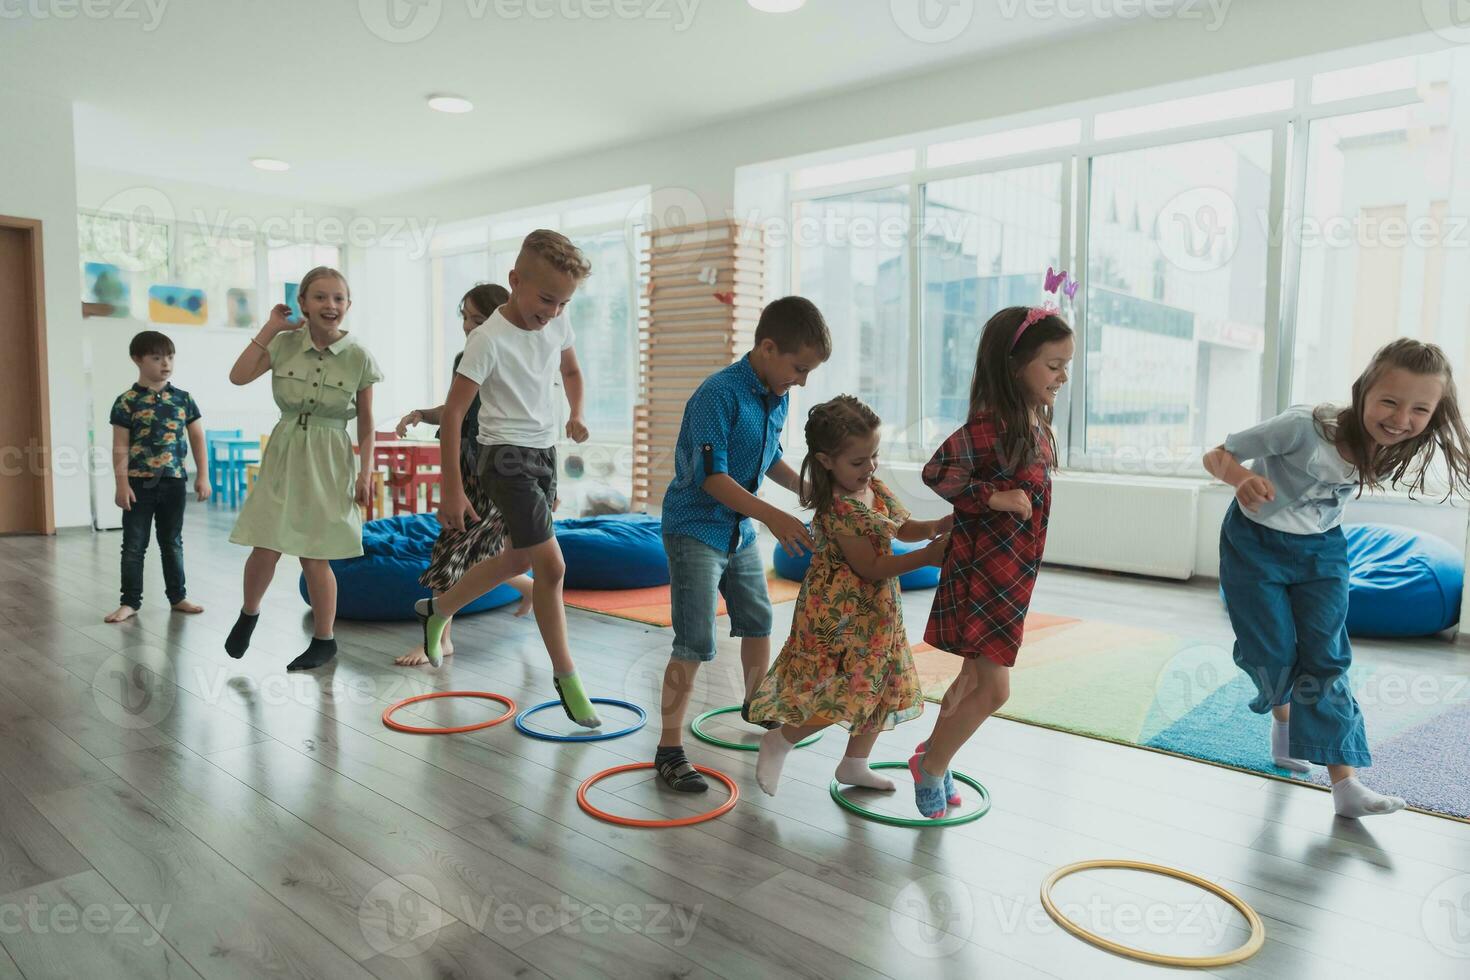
(993, 556)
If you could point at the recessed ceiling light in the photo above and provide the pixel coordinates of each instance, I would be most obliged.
(450, 103)
(776, 6)
(266, 163)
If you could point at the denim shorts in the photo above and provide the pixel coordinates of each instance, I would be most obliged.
(698, 576)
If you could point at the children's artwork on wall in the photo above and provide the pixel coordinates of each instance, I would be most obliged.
(240, 307)
(104, 283)
(177, 304)
(292, 288)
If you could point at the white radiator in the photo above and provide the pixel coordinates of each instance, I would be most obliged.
(1144, 527)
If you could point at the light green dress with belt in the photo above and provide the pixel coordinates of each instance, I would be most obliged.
(303, 502)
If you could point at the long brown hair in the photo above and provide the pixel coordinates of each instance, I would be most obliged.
(1000, 357)
(828, 427)
(1408, 461)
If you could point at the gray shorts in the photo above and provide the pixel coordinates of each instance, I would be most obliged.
(521, 483)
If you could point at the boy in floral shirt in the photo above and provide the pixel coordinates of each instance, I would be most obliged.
(149, 424)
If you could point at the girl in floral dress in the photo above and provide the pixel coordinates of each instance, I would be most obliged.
(847, 661)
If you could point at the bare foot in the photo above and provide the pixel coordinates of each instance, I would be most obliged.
(119, 614)
(524, 607)
(185, 606)
(416, 658)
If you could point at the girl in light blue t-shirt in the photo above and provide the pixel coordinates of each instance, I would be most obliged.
(1283, 557)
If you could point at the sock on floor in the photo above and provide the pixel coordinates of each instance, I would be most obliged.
(951, 795)
(855, 772)
(239, 639)
(1350, 798)
(574, 700)
(321, 650)
(676, 771)
(928, 790)
(775, 747)
(433, 624)
(1281, 748)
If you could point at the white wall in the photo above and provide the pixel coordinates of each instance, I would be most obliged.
(38, 180)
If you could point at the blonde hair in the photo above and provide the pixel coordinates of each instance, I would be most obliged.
(557, 251)
(321, 272)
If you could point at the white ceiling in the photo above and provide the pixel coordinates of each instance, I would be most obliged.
(192, 89)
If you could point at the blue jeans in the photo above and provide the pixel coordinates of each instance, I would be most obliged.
(1287, 596)
(159, 502)
(697, 575)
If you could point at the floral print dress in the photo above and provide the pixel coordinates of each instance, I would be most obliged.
(847, 661)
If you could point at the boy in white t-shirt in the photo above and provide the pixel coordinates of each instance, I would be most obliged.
(511, 361)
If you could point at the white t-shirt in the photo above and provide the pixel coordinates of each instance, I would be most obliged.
(517, 372)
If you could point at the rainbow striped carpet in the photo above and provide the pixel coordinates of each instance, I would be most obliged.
(1185, 696)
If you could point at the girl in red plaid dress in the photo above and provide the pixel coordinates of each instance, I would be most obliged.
(996, 471)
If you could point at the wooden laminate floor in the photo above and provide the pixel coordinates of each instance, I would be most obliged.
(168, 812)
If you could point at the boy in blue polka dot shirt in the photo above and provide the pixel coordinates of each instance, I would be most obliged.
(730, 438)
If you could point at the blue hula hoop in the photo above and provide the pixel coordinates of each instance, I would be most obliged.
(524, 729)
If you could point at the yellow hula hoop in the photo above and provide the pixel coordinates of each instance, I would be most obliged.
(1243, 952)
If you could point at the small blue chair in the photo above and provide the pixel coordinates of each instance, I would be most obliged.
(218, 465)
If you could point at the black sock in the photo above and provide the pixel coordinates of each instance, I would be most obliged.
(317, 654)
(239, 639)
(667, 752)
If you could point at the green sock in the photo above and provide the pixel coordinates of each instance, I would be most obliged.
(574, 700)
(433, 629)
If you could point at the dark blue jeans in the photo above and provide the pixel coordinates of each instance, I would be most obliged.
(160, 502)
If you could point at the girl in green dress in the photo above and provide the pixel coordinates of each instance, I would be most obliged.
(305, 501)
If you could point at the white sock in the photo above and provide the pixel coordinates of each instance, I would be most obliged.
(772, 757)
(1352, 799)
(853, 771)
(1281, 748)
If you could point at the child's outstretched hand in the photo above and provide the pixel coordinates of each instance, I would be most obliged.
(1017, 502)
(125, 497)
(202, 489)
(1255, 491)
(577, 430)
(792, 534)
(412, 418)
(944, 525)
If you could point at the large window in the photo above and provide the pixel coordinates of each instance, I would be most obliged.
(1176, 293)
(1384, 242)
(605, 322)
(1246, 247)
(851, 256)
(987, 241)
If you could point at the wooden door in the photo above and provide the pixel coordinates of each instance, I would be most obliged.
(25, 452)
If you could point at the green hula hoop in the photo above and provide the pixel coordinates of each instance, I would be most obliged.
(699, 733)
(846, 804)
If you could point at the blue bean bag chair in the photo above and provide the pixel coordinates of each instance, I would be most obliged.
(383, 584)
(1401, 582)
(794, 569)
(614, 551)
